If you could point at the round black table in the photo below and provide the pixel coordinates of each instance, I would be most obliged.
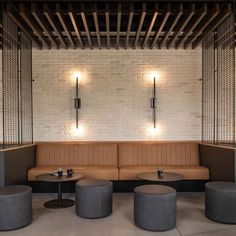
(153, 176)
(59, 202)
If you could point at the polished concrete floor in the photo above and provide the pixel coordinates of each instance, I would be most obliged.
(191, 220)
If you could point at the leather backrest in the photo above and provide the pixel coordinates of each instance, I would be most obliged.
(166, 154)
(77, 154)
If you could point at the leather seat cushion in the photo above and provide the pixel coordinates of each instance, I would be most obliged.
(189, 172)
(94, 172)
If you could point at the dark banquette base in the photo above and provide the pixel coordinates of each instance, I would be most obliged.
(120, 186)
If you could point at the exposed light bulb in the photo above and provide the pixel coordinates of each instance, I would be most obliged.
(154, 74)
(153, 131)
(77, 75)
(77, 132)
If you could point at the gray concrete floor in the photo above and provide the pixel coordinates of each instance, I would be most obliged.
(191, 220)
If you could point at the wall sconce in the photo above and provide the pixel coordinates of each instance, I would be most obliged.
(77, 102)
(154, 102)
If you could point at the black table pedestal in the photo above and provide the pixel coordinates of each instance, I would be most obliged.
(55, 203)
(59, 202)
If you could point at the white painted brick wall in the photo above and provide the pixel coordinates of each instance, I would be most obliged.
(115, 93)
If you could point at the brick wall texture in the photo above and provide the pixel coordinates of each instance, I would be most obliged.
(115, 89)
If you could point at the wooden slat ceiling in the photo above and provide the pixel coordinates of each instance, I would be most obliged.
(114, 24)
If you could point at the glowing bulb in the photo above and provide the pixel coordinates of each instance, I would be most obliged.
(76, 132)
(154, 74)
(76, 75)
(154, 131)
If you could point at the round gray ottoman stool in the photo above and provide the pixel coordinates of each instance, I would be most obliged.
(220, 202)
(94, 198)
(15, 207)
(155, 207)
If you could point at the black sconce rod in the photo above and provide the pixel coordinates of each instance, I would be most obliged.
(154, 102)
(77, 102)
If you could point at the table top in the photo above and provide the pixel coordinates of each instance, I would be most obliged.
(153, 176)
(54, 178)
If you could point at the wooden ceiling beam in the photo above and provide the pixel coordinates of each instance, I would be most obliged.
(108, 25)
(118, 26)
(202, 25)
(63, 23)
(214, 24)
(181, 26)
(84, 19)
(150, 27)
(162, 24)
(95, 18)
(54, 25)
(30, 21)
(143, 14)
(13, 13)
(171, 27)
(189, 29)
(131, 14)
(75, 25)
(44, 25)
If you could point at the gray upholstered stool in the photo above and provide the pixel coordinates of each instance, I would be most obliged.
(220, 202)
(155, 207)
(94, 198)
(15, 207)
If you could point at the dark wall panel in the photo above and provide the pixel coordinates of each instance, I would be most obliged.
(2, 168)
(15, 163)
(219, 160)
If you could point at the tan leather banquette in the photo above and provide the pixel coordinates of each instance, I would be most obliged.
(177, 157)
(119, 161)
(93, 160)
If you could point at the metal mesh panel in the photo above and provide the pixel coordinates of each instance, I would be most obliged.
(1, 116)
(225, 119)
(10, 83)
(208, 89)
(26, 89)
(218, 124)
(16, 86)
